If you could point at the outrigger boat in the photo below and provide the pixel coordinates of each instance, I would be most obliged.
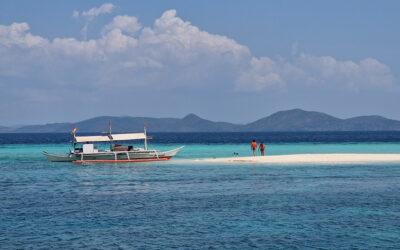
(89, 153)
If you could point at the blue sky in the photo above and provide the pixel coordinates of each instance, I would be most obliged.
(232, 61)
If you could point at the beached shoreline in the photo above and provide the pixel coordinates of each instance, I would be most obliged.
(309, 158)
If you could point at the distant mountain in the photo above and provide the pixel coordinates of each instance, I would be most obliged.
(190, 123)
(295, 120)
(289, 120)
(300, 120)
(46, 128)
(370, 123)
(5, 129)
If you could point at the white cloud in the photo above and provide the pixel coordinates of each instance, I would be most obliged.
(75, 14)
(73, 47)
(116, 41)
(172, 53)
(17, 35)
(327, 70)
(323, 72)
(263, 73)
(103, 9)
(127, 24)
(91, 14)
(106, 8)
(171, 37)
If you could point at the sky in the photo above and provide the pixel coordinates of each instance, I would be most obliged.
(234, 61)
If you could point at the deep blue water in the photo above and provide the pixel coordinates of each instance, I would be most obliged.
(178, 204)
(185, 138)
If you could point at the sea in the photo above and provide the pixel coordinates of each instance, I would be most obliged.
(184, 204)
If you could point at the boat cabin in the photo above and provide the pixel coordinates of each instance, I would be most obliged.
(88, 146)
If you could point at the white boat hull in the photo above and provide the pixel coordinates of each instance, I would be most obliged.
(59, 157)
(114, 156)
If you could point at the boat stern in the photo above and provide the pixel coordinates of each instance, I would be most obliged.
(57, 157)
(172, 152)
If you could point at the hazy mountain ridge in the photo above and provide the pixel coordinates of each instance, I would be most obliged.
(289, 120)
(295, 120)
(5, 129)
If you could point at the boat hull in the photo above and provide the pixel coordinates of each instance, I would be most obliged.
(59, 157)
(131, 160)
(114, 156)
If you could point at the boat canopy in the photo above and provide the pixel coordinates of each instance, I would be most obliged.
(125, 137)
(113, 137)
(91, 138)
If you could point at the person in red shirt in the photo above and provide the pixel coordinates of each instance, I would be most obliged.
(262, 148)
(254, 147)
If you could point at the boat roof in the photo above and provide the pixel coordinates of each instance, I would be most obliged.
(112, 137)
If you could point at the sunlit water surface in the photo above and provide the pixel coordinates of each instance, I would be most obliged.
(187, 205)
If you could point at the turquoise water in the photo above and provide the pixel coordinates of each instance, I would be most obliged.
(168, 205)
(194, 151)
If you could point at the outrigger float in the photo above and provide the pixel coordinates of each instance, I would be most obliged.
(85, 151)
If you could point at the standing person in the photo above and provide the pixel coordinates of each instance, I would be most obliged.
(254, 147)
(262, 148)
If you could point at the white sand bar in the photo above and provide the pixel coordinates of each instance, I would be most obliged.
(310, 158)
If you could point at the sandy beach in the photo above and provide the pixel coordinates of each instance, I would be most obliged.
(309, 158)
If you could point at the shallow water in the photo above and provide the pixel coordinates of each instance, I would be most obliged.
(165, 205)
